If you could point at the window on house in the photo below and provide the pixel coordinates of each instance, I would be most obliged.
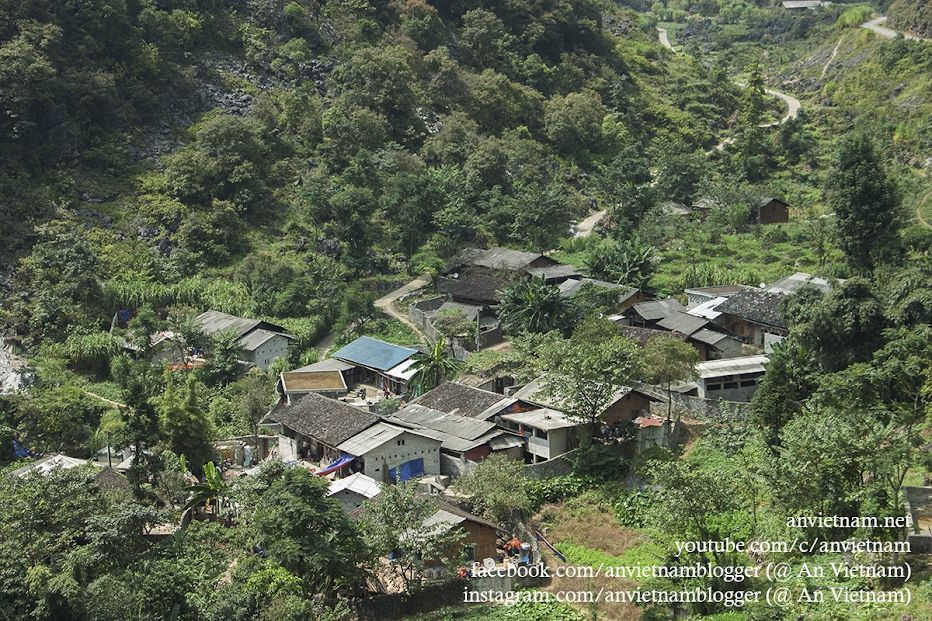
(401, 442)
(469, 551)
(540, 433)
(711, 387)
(730, 385)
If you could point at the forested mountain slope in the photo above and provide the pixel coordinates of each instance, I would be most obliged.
(913, 18)
(179, 137)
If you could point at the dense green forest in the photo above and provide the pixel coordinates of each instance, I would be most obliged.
(290, 161)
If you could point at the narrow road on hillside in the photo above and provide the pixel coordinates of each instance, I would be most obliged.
(874, 25)
(919, 209)
(386, 302)
(792, 103)
(585, 227)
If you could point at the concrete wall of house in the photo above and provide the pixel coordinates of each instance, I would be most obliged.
(391, 454)
(512, 454)
(555, 443)
(349, 500)
(729, 387)
(482, 537)
(655, 436)
(698, 408)
(265, 354)
(770, 340)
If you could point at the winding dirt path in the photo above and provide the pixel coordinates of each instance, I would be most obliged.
(385, 302)
(919, 209)
(585, 227)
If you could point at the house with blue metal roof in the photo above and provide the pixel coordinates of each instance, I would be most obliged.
(375, 359)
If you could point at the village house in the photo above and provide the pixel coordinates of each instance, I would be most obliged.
(735, 379)
(354, 490)
(262, 342)
(389, 453)
(327, 378)
(384, 364)
(627, 296)
(701, 295)
(709, 339)
(455, 398)
(647, 314)
(461, 436)
(754, 316)
(313, 426)
(770, 210)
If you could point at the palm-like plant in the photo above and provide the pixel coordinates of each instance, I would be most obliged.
(531, 305)
(431, 368)
(213, 489)
(629, 262)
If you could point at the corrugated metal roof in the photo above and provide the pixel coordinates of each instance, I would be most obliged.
(330, 364)
(373, 353)
(684, 323)
(545, 419)
(452, 424)
(505, 441)
(707, 310)
(214, 321)
(560, 270)
(573, 285)
(403, 371)
(732, 366)
(357, 483)
(374, 437)
(709, 337)
(658, 309)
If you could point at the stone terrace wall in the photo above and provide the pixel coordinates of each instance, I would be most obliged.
(696, 407)
(559, 466)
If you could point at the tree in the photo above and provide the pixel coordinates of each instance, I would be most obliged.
(864, 199)
(585, 373)
(308, 533)
(574, 123)
(776, 401)
(395, 527)
(839, 328)
(682, 172)
(224, 356)
(185, 424)
(431, 368)
(541, 216)
(669, 359)
(629, 185)
(498, 490)
(753, 98)
(531, 305)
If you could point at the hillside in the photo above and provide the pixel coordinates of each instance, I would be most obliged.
(914, 18)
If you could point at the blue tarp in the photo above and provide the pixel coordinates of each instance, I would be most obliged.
(409, 470)
(19, 451)
(344, 459)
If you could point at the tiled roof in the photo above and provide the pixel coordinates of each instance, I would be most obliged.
(506, 258)
(327, 420)
(373, 353)
(560, 270)
(642, 335)
(757, 306)
(455, 398)
(476, 285)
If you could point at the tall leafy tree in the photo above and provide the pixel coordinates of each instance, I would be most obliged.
(186, 425)
(669, 360)
(864, 199)
(308, 533)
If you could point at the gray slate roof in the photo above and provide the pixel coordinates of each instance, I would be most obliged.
(330, 364)
(709, 337)
(454, 398)
(560, 270)
(373, 353)
(757, 306)
(456, 433)
(658, 310)
(214, 321)
(327, 420)
(253, 340)
(573, 285)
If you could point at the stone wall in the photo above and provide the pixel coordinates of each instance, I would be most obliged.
(454, 467)
(559, 466)
(697, 407)
(462, 347)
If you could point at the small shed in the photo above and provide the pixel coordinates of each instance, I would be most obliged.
(734, 379)
(354, 490)
(771, 211)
